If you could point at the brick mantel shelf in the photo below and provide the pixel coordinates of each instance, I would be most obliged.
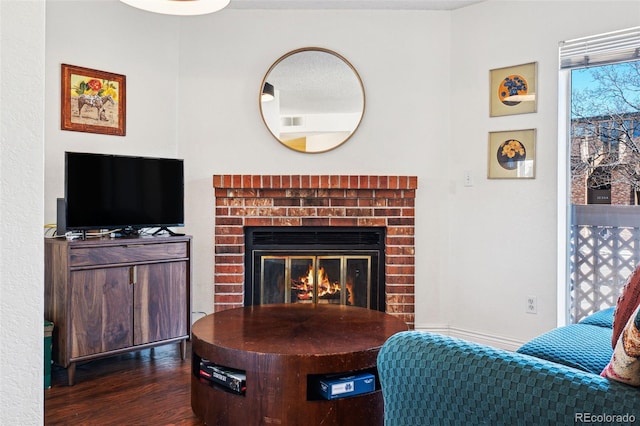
(316, 200)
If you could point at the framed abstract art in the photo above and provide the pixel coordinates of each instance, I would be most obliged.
(512, 154)
(513, 90)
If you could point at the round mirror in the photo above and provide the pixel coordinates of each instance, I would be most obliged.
(312, 100)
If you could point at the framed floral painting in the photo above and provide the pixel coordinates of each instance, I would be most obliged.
(513, 90)
(93, 101)
(512, 154)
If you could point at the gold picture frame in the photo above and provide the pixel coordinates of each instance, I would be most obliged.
(513, 90)
(93, 101)
(512, 154)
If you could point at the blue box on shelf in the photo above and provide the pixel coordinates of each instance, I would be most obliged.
(333, 387)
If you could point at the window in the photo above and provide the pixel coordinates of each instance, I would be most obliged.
(602, 167)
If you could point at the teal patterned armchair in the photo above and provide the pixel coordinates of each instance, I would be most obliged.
(430, 379)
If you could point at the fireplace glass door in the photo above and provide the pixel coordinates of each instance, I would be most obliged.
(337, 265)
(336, 279)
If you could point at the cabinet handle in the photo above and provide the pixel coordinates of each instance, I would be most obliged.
(133, 275)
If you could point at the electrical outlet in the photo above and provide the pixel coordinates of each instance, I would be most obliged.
(532, 305)
(466, 179)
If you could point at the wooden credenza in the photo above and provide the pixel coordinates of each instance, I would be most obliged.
(109, 296)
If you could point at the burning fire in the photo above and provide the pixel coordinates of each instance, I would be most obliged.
(304, 285)
(326, 289)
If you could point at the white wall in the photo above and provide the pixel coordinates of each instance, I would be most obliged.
(21, 211)
(222, 60)
(502, 233)
(403, 132)
(149, 60)
(193, 84)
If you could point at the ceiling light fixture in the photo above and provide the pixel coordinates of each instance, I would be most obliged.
(268, 92)
(179, 7)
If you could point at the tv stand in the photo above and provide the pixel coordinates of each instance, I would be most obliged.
(168, 231)
(109, 296)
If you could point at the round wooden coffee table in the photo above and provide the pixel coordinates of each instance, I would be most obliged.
(283, 350)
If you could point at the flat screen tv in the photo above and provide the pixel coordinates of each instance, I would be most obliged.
(104, 191)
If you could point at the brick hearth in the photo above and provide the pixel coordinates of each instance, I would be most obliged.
(303, 200)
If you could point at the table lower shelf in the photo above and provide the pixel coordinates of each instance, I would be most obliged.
(281, 389)
(216, 406)
(343, 384)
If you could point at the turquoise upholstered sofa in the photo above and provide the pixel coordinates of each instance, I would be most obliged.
(430, 379)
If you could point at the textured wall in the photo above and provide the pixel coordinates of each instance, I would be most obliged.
(21, 211)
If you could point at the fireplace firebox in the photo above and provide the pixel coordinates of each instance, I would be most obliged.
(315, 265)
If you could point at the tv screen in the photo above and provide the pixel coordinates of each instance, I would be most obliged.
(112, 191)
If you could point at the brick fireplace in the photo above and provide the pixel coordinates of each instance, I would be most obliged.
(316, 201)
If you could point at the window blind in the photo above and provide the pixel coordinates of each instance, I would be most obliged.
(617, 46)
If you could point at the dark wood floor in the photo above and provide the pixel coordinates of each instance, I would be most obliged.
(148, 387)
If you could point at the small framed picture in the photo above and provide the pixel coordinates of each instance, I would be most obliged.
(513, 90)
(512, 154)
(93, 101)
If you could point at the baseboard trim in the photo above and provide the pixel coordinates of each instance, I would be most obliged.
(474, 336)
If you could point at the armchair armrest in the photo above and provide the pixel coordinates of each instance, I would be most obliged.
(428, 378)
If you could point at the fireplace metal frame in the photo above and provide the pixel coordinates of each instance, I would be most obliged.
(316, 241)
